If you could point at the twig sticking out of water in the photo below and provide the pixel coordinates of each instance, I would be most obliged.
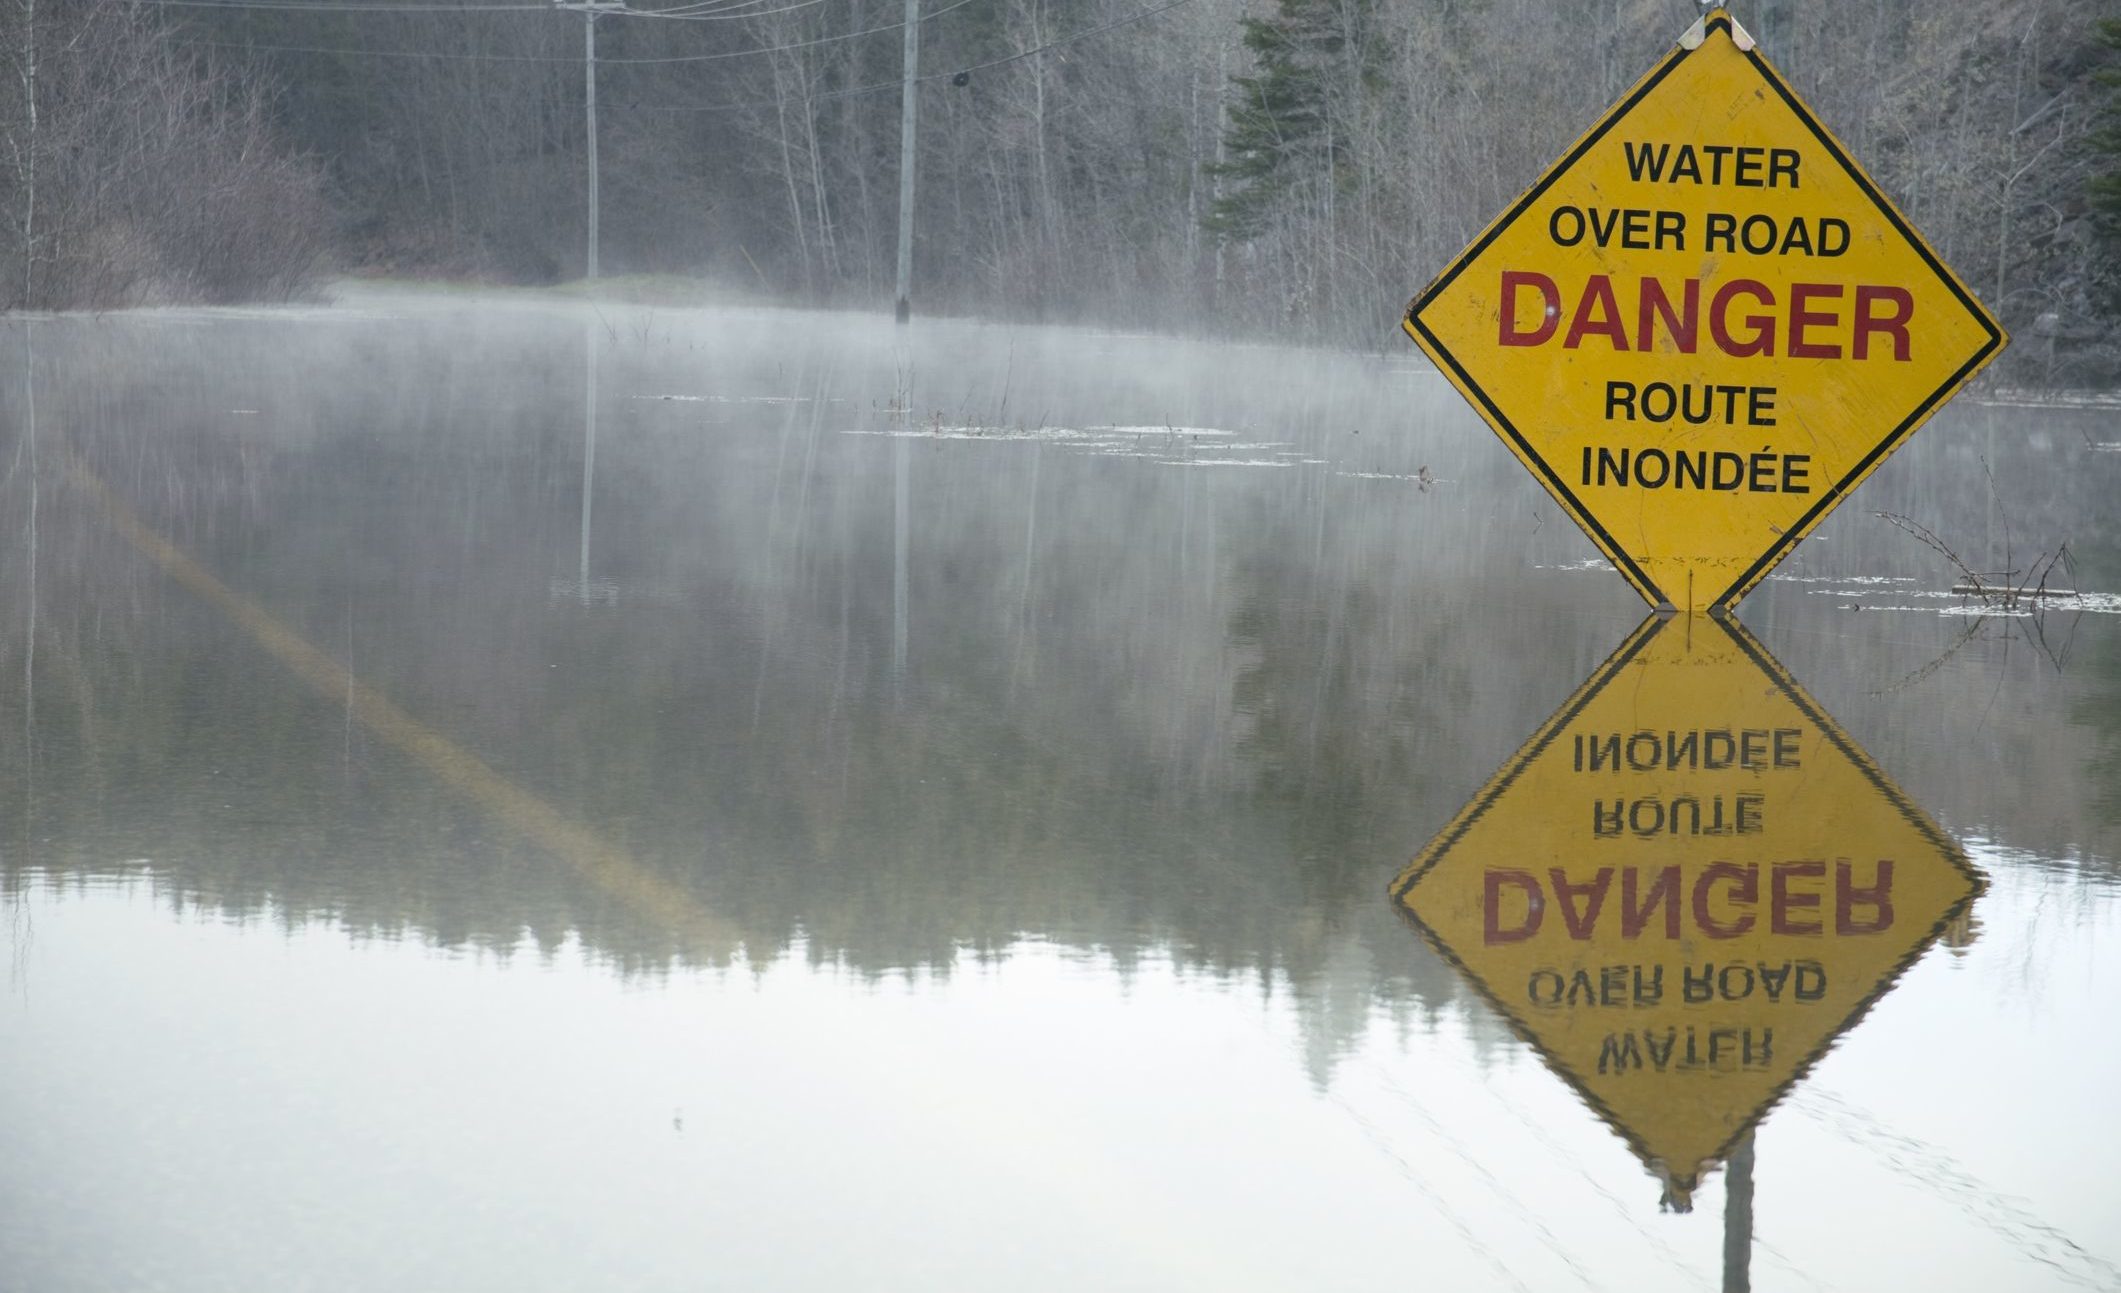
(2003, 588)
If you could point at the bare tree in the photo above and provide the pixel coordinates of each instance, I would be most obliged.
(138, 172)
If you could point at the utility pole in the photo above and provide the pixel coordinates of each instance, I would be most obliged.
(1738, 1218)
(590, 324)
(589, 9)
(29, 161)
(908, 159)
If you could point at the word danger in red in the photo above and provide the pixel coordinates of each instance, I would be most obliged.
(1741, 317)
(1719, 900)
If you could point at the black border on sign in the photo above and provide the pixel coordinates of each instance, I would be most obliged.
(1719, 22)
(1686, 1176)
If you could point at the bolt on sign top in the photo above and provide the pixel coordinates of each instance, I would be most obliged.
(1684, 888)
(1704, 326)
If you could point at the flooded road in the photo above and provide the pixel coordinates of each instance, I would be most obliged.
(505, 793)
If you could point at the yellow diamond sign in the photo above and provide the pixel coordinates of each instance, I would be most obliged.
(1684, 887)
(1704, 326)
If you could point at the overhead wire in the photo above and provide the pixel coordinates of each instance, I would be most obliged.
(951, 74)
(346, 6)
(1438, 1201)
(1556, 1153)
(575, 59)
(1064, 40)
(1919, 1162)
(702, 7)
(955, 74)
(386, 53)
(712, 16)
(844, 93)
(708, 10)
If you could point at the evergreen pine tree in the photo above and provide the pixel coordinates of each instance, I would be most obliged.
(2106, 178)
(1280, 134)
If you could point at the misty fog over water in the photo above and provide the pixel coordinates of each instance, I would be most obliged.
(503, 791)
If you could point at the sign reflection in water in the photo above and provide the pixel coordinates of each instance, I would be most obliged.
(1683, 889)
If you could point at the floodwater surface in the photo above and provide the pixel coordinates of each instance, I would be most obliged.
(507, 793)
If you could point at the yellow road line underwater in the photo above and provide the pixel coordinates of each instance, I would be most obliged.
(609, 868)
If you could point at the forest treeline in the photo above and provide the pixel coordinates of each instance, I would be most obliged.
(1240, 166)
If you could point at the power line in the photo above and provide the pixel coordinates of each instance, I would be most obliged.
(874, 86)
(713, 10)
(392, 53)
(705, 6)
(346, 6)
(705, 12)
(1067, 40)
(602, 60)
(849, 92)
(702, 7)
(711, 16)
(1921, 1163)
